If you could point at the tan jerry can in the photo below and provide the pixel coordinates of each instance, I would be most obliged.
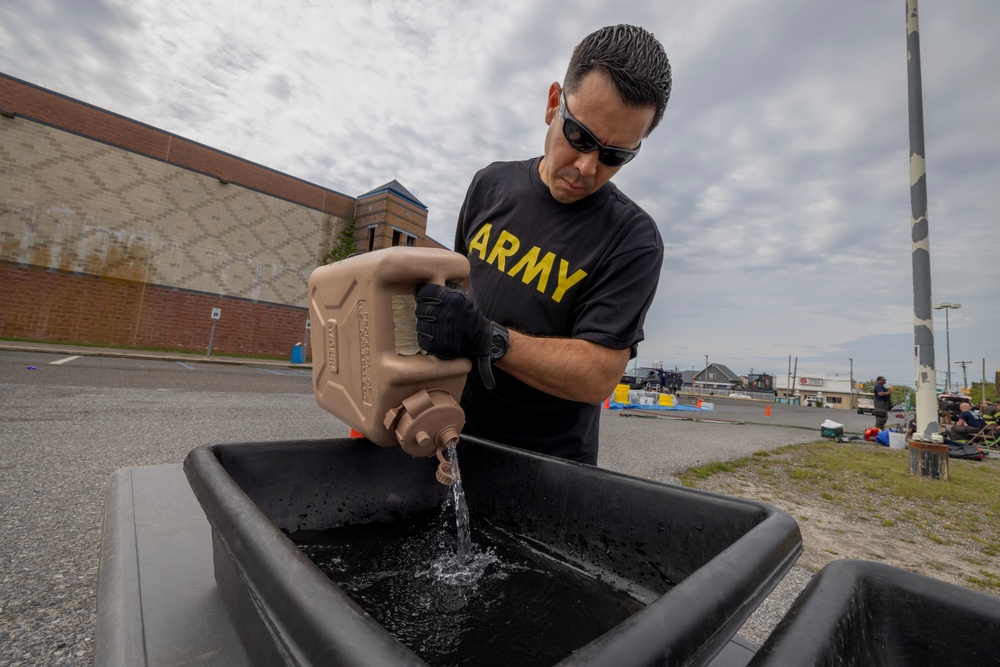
(367, 367)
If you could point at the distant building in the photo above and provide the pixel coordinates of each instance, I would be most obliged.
(714, 378)
(808, 389)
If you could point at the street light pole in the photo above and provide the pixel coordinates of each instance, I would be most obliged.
(946, 306)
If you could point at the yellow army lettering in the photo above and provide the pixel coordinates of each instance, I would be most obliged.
(529, 265)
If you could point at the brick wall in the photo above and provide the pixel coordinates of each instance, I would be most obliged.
(47, 304)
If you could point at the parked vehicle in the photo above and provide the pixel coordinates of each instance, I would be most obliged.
(671, 381)
(739, 395)
(641, 378)
(668, 382)
(948, 404)
(866, 403)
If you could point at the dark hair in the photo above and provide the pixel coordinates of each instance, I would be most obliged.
(880, 379)
(634, 61)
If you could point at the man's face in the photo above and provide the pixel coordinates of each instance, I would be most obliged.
(569, 174)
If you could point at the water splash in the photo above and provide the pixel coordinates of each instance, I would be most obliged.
(463, 535)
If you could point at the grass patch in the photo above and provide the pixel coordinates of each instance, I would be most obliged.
(872, 487)
(985, 579)
(709, 469)
(847, 467)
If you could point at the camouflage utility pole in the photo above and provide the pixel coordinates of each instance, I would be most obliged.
(926, 459)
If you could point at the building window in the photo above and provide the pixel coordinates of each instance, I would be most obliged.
(400, 237)
(371, 239)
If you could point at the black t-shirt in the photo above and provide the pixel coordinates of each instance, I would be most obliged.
(583, 270)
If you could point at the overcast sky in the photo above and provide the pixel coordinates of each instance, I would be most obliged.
(779, 177)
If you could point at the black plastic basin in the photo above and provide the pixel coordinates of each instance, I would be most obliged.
(707, 560)
(863, 614)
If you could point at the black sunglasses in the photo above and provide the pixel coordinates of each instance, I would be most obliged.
(583, 140)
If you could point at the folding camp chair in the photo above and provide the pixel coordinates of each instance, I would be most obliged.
(987, 438)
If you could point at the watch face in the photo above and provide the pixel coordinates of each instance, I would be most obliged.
(499, 347)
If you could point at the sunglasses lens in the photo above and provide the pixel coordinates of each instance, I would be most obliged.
(614, 158)
(578, 136)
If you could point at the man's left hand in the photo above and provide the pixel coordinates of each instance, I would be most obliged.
(450, 326)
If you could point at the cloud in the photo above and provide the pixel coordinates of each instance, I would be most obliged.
(779, 177)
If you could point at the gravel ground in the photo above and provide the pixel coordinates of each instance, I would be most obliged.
(58, 449)
(60, 445)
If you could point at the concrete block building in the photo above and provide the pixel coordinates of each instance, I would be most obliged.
(113, 232)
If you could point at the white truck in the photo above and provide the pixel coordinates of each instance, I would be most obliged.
(866, 403)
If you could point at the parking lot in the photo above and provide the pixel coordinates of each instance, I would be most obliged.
(69, 420)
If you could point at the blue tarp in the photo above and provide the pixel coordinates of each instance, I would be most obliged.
(661, 408)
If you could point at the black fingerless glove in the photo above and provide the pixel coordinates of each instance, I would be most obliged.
(450, 326)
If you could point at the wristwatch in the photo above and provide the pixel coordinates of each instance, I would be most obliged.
(501, 341)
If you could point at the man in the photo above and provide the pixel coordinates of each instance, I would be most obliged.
(564, 266)
(969, 423)
(988, 411)
(883, 401)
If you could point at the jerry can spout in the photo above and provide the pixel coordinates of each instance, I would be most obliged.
(427, 423)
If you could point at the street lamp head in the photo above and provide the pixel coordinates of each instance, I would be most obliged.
(947, 304)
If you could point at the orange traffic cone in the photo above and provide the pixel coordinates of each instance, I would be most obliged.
(356, 434)
(767, 411)
(607, 403)
(699, 403)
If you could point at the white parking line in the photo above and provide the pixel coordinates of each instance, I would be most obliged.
(297, 373)
(63, 361)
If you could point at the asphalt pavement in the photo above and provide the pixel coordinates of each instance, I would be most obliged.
(70, 416)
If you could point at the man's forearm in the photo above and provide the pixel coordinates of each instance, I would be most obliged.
(569, 368)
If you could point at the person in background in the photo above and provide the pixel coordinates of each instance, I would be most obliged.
(883, 401)
(564, 265)
(969, 423)
(988, 412)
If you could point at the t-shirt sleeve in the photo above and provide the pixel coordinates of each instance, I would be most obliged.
(614, 308)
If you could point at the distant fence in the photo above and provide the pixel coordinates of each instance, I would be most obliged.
(711, 391)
